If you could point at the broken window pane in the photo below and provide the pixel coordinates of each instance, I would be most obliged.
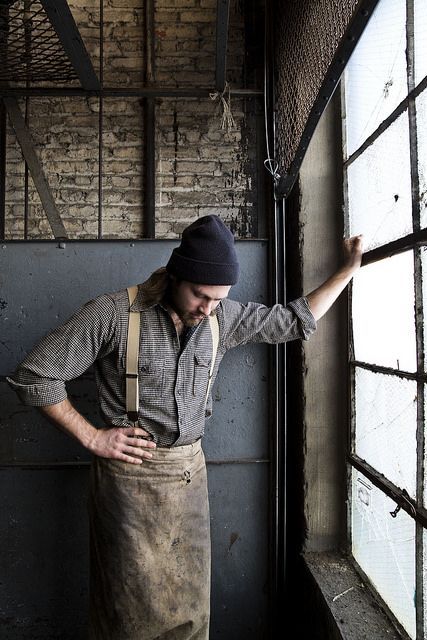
(375, 77)
(420, 9)
(383, 313)
(379, 188)
(421, 107)
(384, 547)
(386, 424)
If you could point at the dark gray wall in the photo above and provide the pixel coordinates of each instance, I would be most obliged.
(43, 520)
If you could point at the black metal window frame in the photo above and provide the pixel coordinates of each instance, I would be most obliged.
(410, 242)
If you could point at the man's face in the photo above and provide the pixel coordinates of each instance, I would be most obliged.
(194, 302)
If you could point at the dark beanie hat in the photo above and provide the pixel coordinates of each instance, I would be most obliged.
(206, 254)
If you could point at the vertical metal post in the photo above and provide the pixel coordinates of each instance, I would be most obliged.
(419, 318)
(4, 28)
(149, 129)
(278, 406)
(100, 116)
(281, 426)
(26, 181)
(2, 170)
(27, 31)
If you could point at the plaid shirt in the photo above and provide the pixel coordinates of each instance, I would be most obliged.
(172, 380)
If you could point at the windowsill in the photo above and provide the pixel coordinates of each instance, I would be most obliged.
(350, 610)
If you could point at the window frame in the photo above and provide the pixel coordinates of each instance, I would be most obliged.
(410, 242)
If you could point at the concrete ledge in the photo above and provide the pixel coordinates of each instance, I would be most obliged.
(350, 610)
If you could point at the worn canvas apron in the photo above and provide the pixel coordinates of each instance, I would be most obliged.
(150, 547)
(150, 534)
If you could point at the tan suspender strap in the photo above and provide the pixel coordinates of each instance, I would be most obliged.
(132, 351)
(213, 321)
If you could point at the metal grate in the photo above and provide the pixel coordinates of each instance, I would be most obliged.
(312, 45)
(30, 50)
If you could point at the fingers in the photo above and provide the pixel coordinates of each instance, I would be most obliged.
(127, 444)
(135, 432)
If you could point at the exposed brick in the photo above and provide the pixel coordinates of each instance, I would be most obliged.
(200, 167)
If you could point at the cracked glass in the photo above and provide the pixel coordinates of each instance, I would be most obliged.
(421, 109)
(375, 77)
(379, 188)
(384, 547)
(386, 426)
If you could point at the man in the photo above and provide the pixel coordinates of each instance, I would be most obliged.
(150, 544)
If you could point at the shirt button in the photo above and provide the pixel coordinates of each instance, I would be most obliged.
(179, 392)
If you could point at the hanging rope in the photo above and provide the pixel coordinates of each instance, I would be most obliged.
(227, 120)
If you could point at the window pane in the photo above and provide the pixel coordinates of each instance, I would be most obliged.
(383, 313)
(386, 424)
(421, 107)
(424, 278)
(420, 8)
(384, 547)
(379, 187)
(375, 77)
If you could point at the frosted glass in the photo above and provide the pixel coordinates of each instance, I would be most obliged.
(421, 107)
(386, 426)
(383, 310)
(420, 31)
(379, 188)
(384, 547)
(424, 290)
(375, 76)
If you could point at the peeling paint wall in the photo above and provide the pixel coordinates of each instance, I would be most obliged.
(200, 167)
(325, 354)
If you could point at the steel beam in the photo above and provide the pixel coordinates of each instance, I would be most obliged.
(62, 20)
(222, 17)
(119, 92)
(27, 146)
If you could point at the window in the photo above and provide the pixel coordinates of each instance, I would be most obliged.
(385, 169)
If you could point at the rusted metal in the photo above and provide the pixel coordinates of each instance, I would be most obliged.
(416, 239)
(222, 18)
(399, 495)
(149, 160)
(120, 92)
(63, 22)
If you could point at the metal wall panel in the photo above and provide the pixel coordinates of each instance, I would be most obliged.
(43, 510)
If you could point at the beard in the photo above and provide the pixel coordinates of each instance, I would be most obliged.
(190, 319)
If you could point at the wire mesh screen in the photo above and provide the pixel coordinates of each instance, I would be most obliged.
(30, 50)
(307, 38)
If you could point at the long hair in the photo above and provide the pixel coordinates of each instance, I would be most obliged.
(155, 287)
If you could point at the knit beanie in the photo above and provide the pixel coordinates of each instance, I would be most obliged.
(206, 254)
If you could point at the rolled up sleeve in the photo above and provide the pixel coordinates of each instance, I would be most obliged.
(307, 322)
(65, 353)
(38, 394)
(253, 322)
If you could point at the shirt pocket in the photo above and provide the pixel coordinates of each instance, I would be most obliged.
(151, 375)
(201, 375)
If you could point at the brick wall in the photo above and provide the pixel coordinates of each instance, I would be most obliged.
(200, 168)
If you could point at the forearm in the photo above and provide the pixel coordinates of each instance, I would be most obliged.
(322, 298)
(128, 444)
(64, 416)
